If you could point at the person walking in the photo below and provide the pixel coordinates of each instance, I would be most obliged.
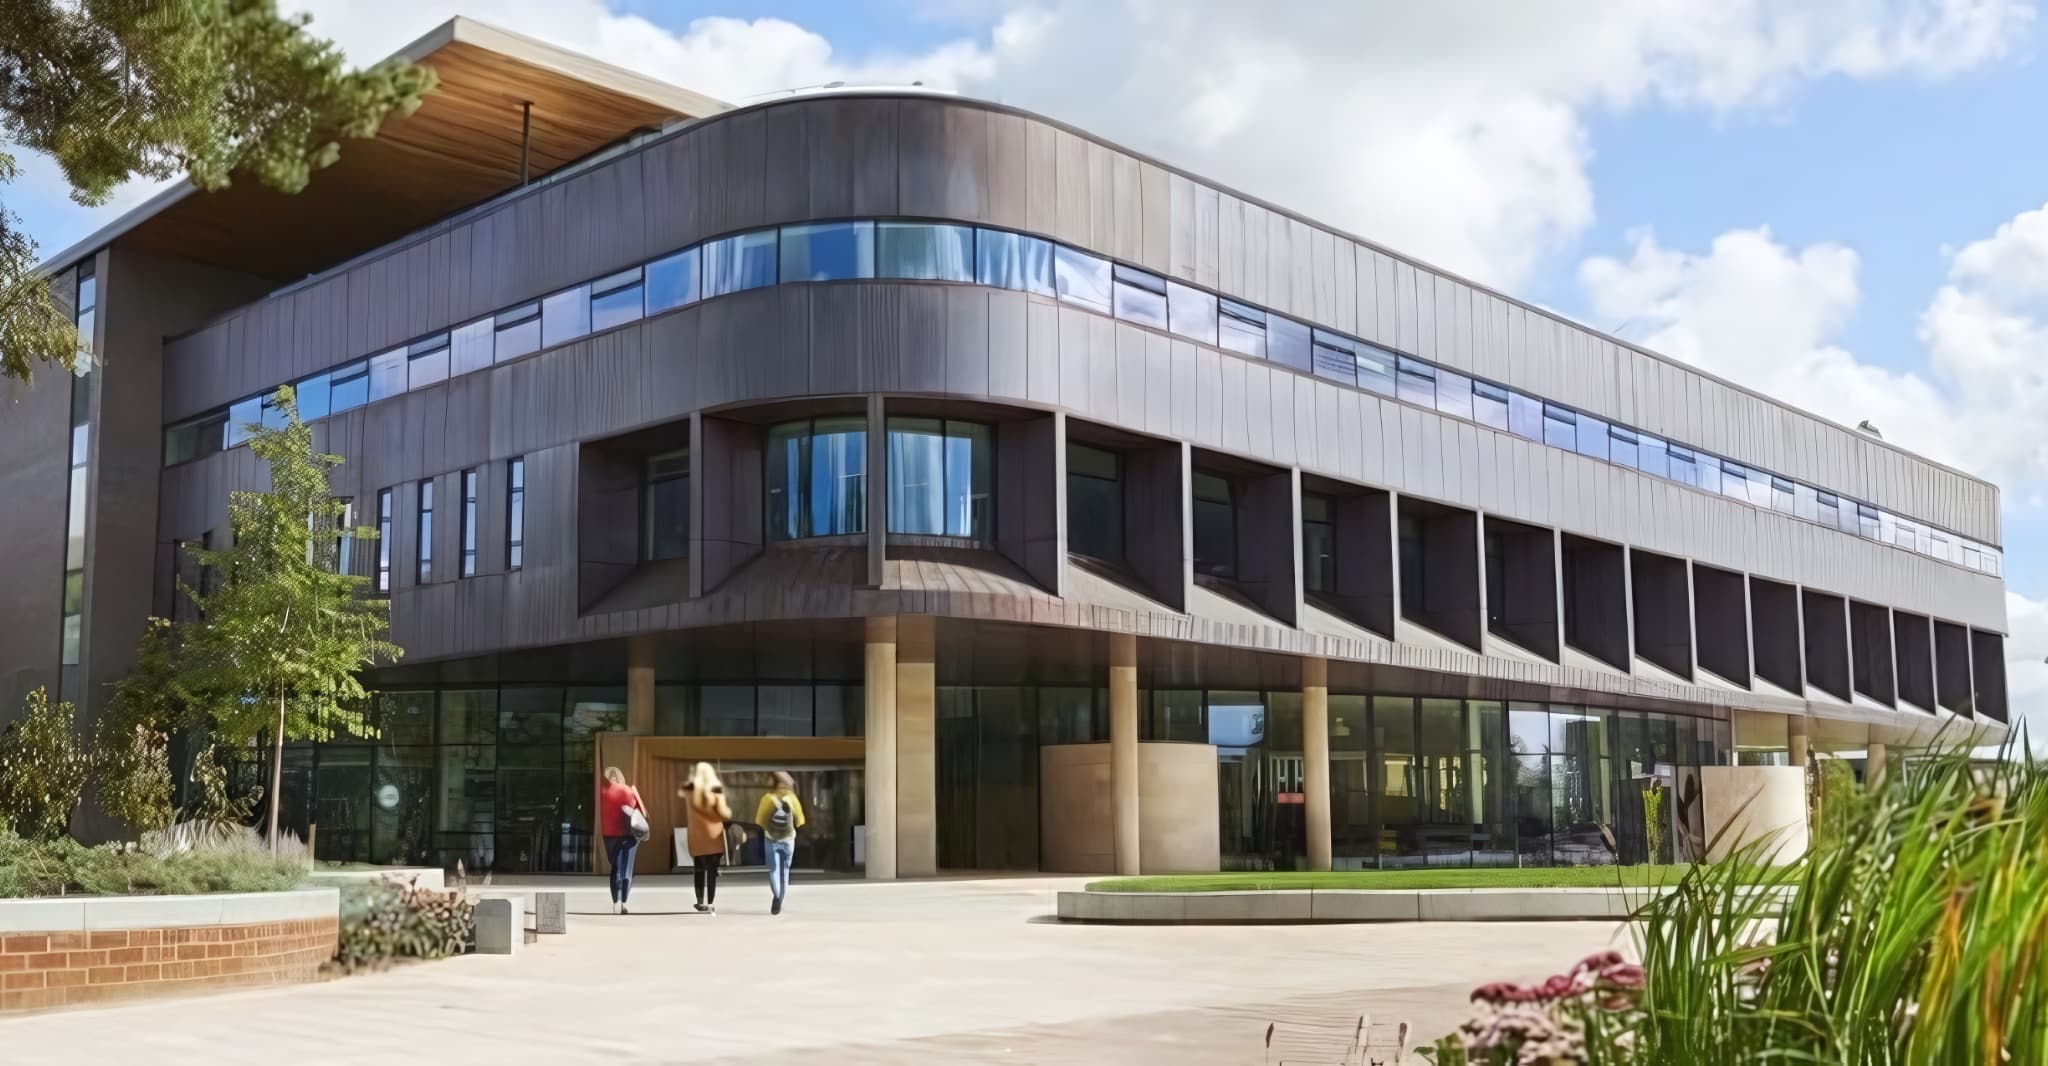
(620, 845)
(780, 815)
(708, 812)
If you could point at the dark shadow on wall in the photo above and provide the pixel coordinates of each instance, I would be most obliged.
(1774, 634)
(1521, 585)
(1720, 618)
(1827, 643)
(1439, 552)
(1596, 600)
(1663, 611)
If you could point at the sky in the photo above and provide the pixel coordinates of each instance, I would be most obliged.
(1840, 203)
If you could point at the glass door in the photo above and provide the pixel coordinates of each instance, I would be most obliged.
(834, 800)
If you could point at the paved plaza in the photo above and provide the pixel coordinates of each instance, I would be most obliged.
(927, 972)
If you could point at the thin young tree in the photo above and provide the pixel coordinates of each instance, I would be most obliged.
(283, 634)
(156, 89)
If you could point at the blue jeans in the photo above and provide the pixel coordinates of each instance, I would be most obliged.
(619, 852)
(780, 852)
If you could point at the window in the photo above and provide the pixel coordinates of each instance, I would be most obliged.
(1139, 297)
(1623, 446)
(1335, 358)
(87, 303)
(1684, 468)
(1215, 521)
(672, 282)
(517, 332)
(1593, 437)
(1415, 382)
(737, 263)
(1496, 582)
(924, 250)
(1560, 427)
(1490, 404)
(1014, 261)
(1287, 343)
(345, 537)
(665, 506)
(1453, 393)
(1651, 456)
(1190, 312)
(315, 397)
(384, 541)
(564, 316)
(425, 531)
(939, 480)
(1082, 279)
(616, 300)
(1827, 509)
(468, 529)
(515, 514)
(1867, 524)
(1376, 370)
(73, 610)
(828, 251)
(817, 478)
(1095, 503)
(472, 347)
(387, 374)
(426, 361)
(1734, 481)
(1525, 416)
(1318, 544)
(1241, 328)
(244, 416)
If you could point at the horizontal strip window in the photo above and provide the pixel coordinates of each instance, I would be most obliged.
(953, 252)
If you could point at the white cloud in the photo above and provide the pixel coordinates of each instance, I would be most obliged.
(2026, 667)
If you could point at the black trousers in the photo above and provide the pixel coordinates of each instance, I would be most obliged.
(704, 870)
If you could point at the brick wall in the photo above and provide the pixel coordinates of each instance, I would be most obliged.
(58, 969)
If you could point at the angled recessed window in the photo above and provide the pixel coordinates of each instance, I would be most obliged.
(564, 316)
(1139, 297)
(1318, 544)
(1095, 505)
(740, 262)
(817, 478)
(1014, 261)
(1241, 328)
(1191, 312)
(665, 506)
(1083, 279)
(517, 332)
(426, 361)
(1287, 343)
(924, 251)
(1215, 525)
(615, 300)
(939, 477)
(515, 514)
(468, 530)
(673, 281)
(828, 251)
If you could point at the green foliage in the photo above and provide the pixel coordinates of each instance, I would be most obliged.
(213, 810)
(1912, 933)
(65, 867)
(132, 767)
(1656, 820)
(388, 919)
(154, 692)
(282, 635)
(42, 770)
(115, 89)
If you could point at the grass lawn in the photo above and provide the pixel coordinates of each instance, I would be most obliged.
(1532, 877)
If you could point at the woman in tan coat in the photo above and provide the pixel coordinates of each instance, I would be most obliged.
(707, 813)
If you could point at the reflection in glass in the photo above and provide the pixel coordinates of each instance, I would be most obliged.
(925, 251)
(817, 478)
(1318, 544)
(1376, 370)
(1490, 404)
(1287, 343)
(1453, 393)
(1095, 506)
(615, 300)
(1014, 261)
(1083, 279)
(564, 316)
(1215, 526)
(673, 281)
(1241, 328)
(1191, 312)
(667, 506)
(828, 251)
(1416, 382)
(1139, 297)
(744, 261)
(939, 481)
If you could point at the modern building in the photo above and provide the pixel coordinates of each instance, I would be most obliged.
(1041, 505)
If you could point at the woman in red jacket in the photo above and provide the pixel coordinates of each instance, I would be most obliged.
(619, 841)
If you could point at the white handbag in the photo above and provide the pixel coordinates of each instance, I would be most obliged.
(636, 823)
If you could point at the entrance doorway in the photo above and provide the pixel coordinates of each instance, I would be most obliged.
(834, 799)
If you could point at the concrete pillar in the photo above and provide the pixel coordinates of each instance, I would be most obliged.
(1123, 751)
(1315, 758)
(917, 790)
(1873, 765)
(640, 685)
(880, 774)
(1796, 740)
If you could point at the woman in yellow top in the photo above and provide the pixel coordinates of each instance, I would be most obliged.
(780, 815)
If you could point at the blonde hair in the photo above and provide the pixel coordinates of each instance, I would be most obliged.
(707, 792)
(783, 780)
(612, 774)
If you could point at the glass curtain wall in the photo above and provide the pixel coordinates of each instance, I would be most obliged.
(987, 778)
(939, 479)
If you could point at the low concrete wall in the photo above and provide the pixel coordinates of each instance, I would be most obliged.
(424, 876)
(1356, 905)
(95, 949)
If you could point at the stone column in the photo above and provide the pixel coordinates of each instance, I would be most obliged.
(880, 775)
(1873, 765)
(917, 793)
(1315, 758)
(1796, 745)
(640, 685)
(1123, 751)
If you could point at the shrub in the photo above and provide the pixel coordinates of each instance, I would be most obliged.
(389, 919)
(42, 770)
(65, 867)
(132, 767)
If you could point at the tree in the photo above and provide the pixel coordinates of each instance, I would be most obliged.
(42, 770)
(115, 89)
(132, 767)
(282, 635)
